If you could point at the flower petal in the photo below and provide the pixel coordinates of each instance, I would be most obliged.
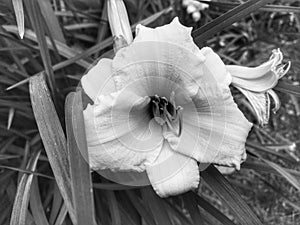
(275, 99)
(120, 135)
(215, 68)
(214, 130)
(260, 103)
(160, 53)
(160, 68)
(173, 173)
(98, 79)
(174, 33)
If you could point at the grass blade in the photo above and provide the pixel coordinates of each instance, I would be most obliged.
(20, 207)
(81, 183)
(52, 136)
(19, 12)
(203, 33)
(230, 197)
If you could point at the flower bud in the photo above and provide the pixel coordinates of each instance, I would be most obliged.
(119, 23)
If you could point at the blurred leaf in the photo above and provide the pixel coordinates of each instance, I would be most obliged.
(62, 48)
(19, 12)
(36, 205)
(20, 208)
(36, 19)
(156, 205)
(112, 186)
(263, 167)
(53, 137)
(57, 203)
(287, 88)
(25, 171)
(285, 174)
(212, 210)
(219, 24)
(81, 183)
(114, 208)
(61, 216)
(267, 150)
(191, 205)
(230, 197)
(11, 115)
(140, 207)
(268, 8)
(51, 20)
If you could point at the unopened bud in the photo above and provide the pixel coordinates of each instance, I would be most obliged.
(119, 23)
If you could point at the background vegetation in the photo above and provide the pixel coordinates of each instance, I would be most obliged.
(48, 182)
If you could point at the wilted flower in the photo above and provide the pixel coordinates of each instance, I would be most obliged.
(257, 83)
(161, 105)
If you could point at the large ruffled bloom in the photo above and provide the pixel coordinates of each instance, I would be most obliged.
(162, 105)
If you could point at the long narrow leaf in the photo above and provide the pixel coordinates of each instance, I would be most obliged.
(114, 208)
(52, 136)
(51, 20)
(156, 205)
(36, 21)
(140, 207)
(203, 33)
(36, 205)
(230, 197)
(20, 208)
(19, 12)
(288, 88)
(78, 156)
(192, 207)
(212, 210)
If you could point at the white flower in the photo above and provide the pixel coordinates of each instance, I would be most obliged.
(160, 106)
(257, 83)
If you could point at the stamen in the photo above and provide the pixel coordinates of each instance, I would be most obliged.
(165, 111)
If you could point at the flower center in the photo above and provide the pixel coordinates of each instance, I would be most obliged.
(166, 112)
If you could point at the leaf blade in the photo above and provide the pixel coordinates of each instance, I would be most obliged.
(20, 207)
(229, 196)
(19, 12)
(52, 136)
(203, 33)
(81, 183)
